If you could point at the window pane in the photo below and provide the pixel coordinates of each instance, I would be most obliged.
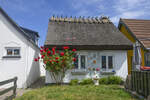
(76, 62)
(16, 52)
(147, 63)
(104, 62)
(82, 61)
(110, 62)
(9, 51)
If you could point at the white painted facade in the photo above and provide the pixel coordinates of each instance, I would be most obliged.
(119, 65)
(25, 68)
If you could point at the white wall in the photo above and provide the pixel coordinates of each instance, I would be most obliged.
(42, 69)
(24, 68)
(120, 64)
(33, 69)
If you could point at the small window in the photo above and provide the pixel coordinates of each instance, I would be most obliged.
(110, 62)
(82, 61)
(9, 52)
(107, 62)
(104, 62)
(147, 59)
(16, 52)
(13, 52)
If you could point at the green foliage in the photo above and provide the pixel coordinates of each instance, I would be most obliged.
(74, 82)
(77, 92)
(86, 81)
(103, 80)
(56, 62)
(111, 80)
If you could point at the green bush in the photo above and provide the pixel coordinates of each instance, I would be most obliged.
(103, 80)
(111, 80)
(74, 82)
(86, 81)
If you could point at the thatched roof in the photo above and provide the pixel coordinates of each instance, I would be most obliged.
(85, 33)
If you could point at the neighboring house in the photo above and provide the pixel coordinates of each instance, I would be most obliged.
(137, 30)
(19, 47)
(98, 42)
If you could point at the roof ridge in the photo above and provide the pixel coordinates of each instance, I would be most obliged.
(136, 19)
(81, 19)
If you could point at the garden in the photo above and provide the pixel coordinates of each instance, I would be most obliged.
(57, 63)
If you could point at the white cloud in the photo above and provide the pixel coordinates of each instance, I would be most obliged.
(114, 9)
(127, 14)
(131, 9)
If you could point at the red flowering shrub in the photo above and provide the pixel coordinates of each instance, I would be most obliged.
(57, 63)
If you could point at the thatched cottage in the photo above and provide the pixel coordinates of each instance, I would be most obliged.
(98, 42)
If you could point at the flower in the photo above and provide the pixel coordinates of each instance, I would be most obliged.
(41, 47)
(49, 52)
(66, 47)
(74, 50)
(53, 49)
(44, 50)
(47, 49)
(57, 61)
(74, 59)
(36, 59)
(57, 58)
(97, 69)
(57, 51)
(62, 53)
(113, 71)
(50, 61)
(41, 50)
(42, 56)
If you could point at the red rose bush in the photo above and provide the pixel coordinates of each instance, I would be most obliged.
(57, 63)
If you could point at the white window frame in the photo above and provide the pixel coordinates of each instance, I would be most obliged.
(107, 67)
(79, 60)
(12, 48)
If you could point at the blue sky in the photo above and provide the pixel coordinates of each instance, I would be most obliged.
(35, 14)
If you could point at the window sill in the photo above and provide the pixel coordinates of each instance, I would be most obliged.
(11, 56)
(107, 73)
(79, 72)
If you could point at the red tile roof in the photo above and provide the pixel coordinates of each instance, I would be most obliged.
(140, 29)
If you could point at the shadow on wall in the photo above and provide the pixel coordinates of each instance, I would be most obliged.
(33, 73)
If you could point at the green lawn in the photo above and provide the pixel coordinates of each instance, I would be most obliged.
(86, 92)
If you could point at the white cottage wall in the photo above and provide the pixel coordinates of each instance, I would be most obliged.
(119, 60)
(20, 67)
(33, 69)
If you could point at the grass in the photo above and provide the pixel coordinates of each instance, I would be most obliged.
(86, 92)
